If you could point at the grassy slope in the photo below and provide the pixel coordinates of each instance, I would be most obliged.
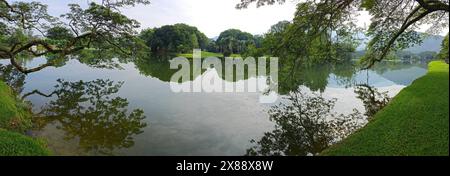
(414, 123)
(14, 115)
(16, 144)
(16, 118)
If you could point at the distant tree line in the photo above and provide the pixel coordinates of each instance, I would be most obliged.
(443, 54)
(182, 38)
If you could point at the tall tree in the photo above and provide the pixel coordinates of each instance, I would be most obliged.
(234, 41)
(392, 25)
(177, 38)
(99, 26)
(443, 54)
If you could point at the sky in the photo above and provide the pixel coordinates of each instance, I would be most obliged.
(209, 16)
(212, 16)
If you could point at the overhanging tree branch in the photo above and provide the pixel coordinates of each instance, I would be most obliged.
(407, 23)
(433, 5)
(99, 26)
(25, 70)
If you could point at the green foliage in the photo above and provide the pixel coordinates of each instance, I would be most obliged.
(319, 25)
(331, 42)
(443, 54)
(58, 36)
(303, 42)
(3, 32)
(99, 26)
(368, 4)
(259, 3)
(415, 122)
(205, 54)
(272, 39)
(253, 51)
(178, 38)
(59, 33)
(212, 46)
(234, 41)
(15, 144)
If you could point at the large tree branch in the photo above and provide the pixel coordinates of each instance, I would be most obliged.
(51, 49)
(38, 93)
(9, 6)
(99, 19)
(406, 24)
(433, 5)
(25, 70)
(4, 52)
(20, 13)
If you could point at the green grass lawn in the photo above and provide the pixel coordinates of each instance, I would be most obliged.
(206, 54)
(414, 123)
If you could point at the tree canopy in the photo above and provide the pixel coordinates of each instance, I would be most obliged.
(392, 27)
(234, 41)
(28, 30)
(178, 38)
(443, 54)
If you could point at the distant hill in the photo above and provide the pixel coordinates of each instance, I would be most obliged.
(214, 38)
(431, 43)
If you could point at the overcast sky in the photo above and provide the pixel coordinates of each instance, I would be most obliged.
(209, 16)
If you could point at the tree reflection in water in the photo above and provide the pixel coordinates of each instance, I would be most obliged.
(305, 125)
(372, 99)
(88, 112)
(12, 77)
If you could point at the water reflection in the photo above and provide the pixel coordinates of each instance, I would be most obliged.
(291, 76)
(372, 99)
(155, 67)
(316, 78)
(12, 77)
(89, 113)
(304, 125)
(159, 67)
(93, 117)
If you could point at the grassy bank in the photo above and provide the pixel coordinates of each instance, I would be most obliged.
(14, 114)
(16, 144)
(15, 118)
(414, 123)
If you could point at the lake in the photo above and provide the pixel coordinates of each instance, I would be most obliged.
(82, 110)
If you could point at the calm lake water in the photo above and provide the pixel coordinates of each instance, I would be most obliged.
(132, 111)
